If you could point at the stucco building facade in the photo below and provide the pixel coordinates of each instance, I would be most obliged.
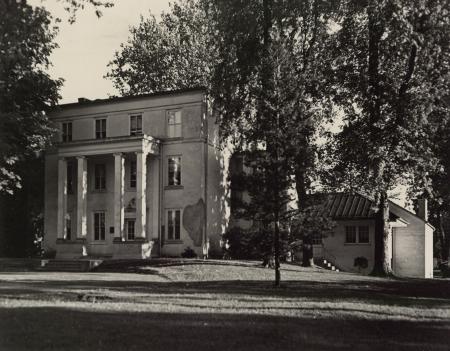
(135, 177)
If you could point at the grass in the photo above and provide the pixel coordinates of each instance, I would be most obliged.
(215, 305)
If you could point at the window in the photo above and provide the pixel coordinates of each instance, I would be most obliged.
(133, 174)
(317, 239)
(357, 235)
(70, 170)
(67, 131)
(174, 124)
(68, 227)
(350, 234)
(174, 163)
(130, 228)
(100, 128)
(99, 226)
(363, 234)
(135, 125)
(100, 177)
(173, 224)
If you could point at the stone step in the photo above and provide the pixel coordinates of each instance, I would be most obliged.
(59, 265)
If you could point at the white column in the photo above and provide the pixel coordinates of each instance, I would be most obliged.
(141, 190)
(155, 199)
(62, 198)
(81, 197)
(119, 189)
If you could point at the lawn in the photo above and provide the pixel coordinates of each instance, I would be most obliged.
(217, 305)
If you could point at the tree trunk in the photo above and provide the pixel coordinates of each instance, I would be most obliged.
(383, 239)
(277, 252)
(307, 252)
(445, 247)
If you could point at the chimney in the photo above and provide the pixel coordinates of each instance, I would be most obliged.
(422, 209)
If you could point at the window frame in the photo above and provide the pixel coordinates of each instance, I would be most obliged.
(98, 180)
(132, 175)
(137, 130)
(354, 234)
(177, 181)
(357, 235)
(177, 127)
(99, 230)
(70, 177)
(66, 131)
(174, 237)
(128, 221)
(100, 134)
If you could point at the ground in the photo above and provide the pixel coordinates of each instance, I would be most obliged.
(217, 305)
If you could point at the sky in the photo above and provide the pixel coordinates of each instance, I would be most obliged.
(86, 47)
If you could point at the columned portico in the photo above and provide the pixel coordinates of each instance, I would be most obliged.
(119, 188)
(62, 198)
(141, 198)
(81, 197)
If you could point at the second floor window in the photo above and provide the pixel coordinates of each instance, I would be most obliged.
(67, 131)
(174, 124)
(133, 174)
(100, 177)
(136, 125)
(174, 171)
(70, 170)
(100, 128)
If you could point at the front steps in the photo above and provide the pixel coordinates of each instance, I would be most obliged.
(326, 264)
(61, 265)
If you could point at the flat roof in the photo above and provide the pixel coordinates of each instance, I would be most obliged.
(88, 102)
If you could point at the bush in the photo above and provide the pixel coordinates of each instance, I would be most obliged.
(188, 253)
(361, 262)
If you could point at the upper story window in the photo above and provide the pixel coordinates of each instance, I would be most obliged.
(133, 174)
(67, 131)
(100, 177)
(70, 171)
(136, 125)
(174, 124)
(357, 235)
(100, 128)
(174, 170)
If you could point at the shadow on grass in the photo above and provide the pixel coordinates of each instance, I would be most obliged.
(388, 292)
(69, 329)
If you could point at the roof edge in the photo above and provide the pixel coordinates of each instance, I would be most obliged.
(129, 97)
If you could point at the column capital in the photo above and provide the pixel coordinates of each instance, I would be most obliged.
(117, 154)
(62, 158)
(80, 157)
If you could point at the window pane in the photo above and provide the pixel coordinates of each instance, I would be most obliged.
(174, 171)
(130, 229)
(177, 224)
(350, 234)
(133, 174)
(170, 225)
(364, 234)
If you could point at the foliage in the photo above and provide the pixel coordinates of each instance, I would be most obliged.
(188, 253)
(26, 90)
(73, 6)
(173, 53)
(361, 262)
(389, 74)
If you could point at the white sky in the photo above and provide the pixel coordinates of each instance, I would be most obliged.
(86, 47)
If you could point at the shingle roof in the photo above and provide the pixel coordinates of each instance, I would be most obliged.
(348, 206)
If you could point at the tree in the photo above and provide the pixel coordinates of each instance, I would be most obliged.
(388, 78)
(174, 53)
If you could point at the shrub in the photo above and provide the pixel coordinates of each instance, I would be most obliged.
(188, 253)
(361, 262)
